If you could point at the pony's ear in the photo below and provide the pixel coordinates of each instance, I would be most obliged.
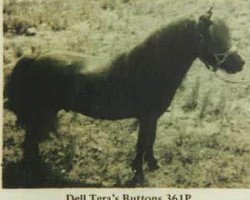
(205, 21)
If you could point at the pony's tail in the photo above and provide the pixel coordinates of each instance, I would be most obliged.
(22, 93)
(20, 98)
(15, 84)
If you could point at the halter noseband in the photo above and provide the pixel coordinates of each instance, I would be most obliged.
(221, 57)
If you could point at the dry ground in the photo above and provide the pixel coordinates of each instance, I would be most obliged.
(202, 142)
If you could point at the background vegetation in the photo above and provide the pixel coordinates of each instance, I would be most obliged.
(203, 139)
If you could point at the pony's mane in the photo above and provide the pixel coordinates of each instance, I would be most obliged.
(166, 33)
(181, 24)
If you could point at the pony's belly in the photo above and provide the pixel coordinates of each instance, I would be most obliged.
(102, 101)
(109, 113)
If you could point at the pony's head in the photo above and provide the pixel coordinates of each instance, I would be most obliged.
(215, 49)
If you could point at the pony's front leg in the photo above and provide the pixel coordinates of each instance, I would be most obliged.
(146, 134)
(149, 154)
(150, 159)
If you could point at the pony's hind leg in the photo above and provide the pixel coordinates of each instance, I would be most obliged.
(34, 169)
(31, 164)
(146, 135)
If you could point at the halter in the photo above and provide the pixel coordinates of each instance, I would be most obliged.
(202, 27)
(220, 58)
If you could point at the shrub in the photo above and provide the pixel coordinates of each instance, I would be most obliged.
(17, 25)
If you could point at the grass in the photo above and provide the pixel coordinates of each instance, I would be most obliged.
(202, 142)
(192, 101)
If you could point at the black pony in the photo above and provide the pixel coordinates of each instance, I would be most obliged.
(138, 84)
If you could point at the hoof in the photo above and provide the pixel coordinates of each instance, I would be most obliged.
(153, 167)
(137, 181)
(151, 163)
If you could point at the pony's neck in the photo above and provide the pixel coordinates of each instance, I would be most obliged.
(182, 40)
(174, 48)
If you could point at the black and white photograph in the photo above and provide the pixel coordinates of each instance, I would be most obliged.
(126, 94)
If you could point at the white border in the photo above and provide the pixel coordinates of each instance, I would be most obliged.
(61, 194)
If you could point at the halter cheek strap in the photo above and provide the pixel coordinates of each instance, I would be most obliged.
(208, 66)
(199, 50)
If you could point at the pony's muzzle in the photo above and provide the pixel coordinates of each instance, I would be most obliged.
(242, 62)
(234, 63)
